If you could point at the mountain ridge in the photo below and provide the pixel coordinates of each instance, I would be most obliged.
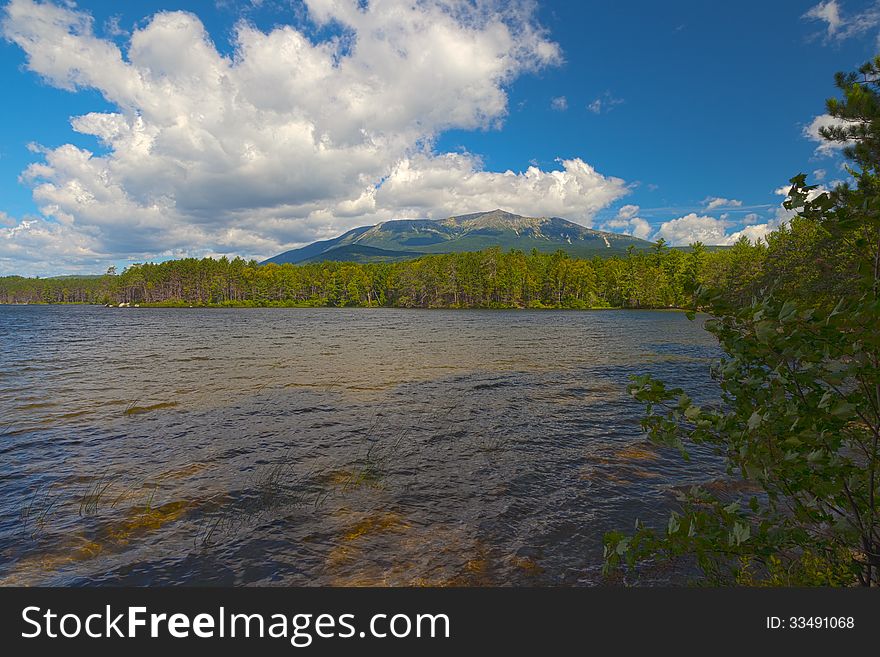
(459, 233)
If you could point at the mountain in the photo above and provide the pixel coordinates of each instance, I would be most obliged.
(405, 238)
(359, 253)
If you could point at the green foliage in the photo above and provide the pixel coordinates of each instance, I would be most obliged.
(799, 421)
(799, 415)
(858, 116)
(493, 278)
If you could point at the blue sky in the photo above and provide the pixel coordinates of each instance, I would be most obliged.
(657, 108)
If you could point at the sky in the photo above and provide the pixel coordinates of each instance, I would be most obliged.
(149, 130)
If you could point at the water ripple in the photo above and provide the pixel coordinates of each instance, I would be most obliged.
(321, 447)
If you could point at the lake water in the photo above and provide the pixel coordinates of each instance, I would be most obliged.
(331, 446)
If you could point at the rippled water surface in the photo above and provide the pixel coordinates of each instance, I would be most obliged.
(329, 446)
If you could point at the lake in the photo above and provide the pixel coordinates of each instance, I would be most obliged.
(332, 446)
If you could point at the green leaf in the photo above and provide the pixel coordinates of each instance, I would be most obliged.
(842, 408)
(765, 331)
(788, 310)
(740, 534)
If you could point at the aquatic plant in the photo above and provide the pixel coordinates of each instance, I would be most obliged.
(92, 497)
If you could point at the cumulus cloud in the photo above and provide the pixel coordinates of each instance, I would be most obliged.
(712, 230)
(693, 228)
(626, 221)
(438, 186)
(34, 245)
(714, 202)
(725, 229)
(722, 230)
(627, 211)
(286, 139)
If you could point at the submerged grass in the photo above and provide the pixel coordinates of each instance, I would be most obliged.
(279, 487)
(65, 526)
(93, 496)
(145, 519)
(90, 517)
(375, 523)
(36, 512)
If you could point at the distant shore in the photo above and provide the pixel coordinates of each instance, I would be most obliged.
(217, 306)
(493, 279)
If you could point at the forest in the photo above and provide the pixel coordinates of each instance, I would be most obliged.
(661, 277)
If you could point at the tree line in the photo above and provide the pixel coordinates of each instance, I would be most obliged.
(660, 277)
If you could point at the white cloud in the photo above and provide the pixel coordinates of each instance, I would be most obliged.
(827, 12)
(754, 233)
(628, 211)
(627, 222)
(819, 174)
(839, 26)
(693, 228)
(711, 231)
(285, 140)
(783, 190)
(811, 132)
(782, 215)
(438, 186)
(560, 103)
(717, 230)
(35, 245)
(640, 228)
(714, 202)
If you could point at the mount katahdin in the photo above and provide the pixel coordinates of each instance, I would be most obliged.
(410, 238)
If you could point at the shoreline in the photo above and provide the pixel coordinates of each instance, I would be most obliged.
(250, 306)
